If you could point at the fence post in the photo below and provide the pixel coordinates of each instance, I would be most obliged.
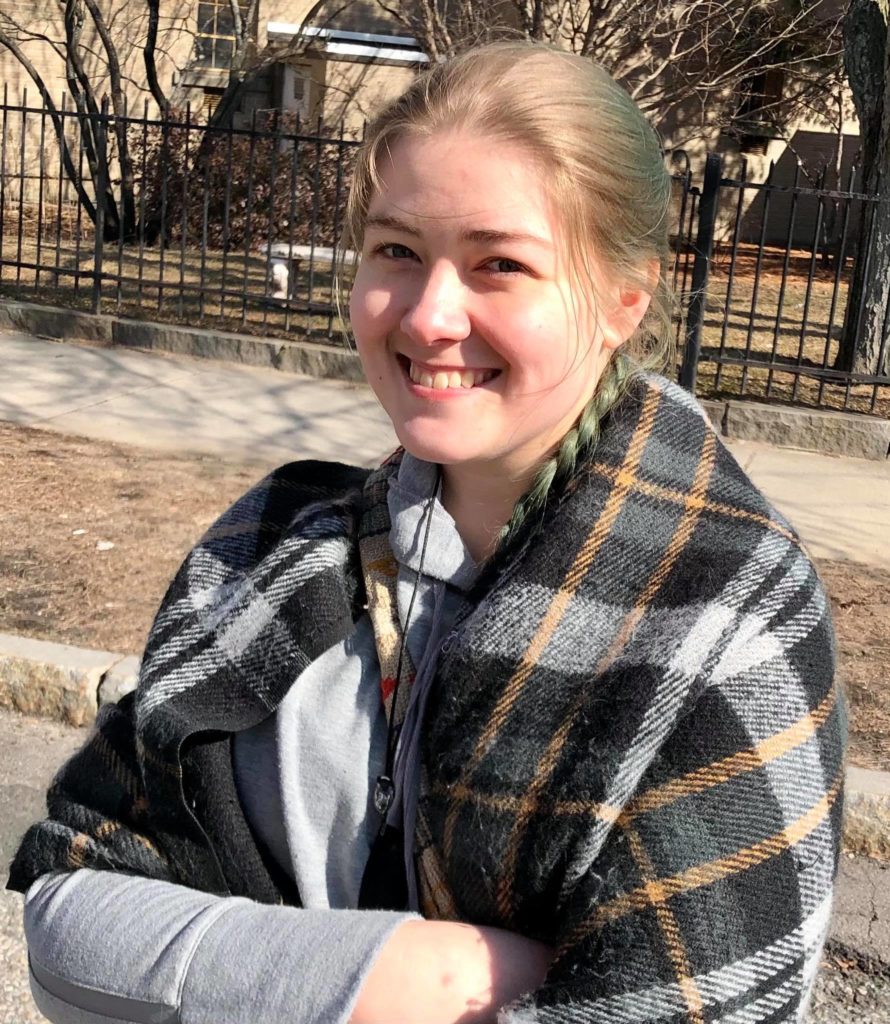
(704, 245)
(101, 190)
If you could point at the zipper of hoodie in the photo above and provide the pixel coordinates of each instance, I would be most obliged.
(190, 811)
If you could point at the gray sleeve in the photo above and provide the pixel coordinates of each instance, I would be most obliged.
(106, 947)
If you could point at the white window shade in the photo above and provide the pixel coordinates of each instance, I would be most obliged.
(359, 46)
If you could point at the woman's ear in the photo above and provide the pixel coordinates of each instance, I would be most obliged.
(629, 307)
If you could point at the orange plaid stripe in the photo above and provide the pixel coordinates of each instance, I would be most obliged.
(670, 930)
(174, 770)
(119, 771)
(77, 849)
(547, 765)
(748, 760)
(706, 874)
(652, 490)
(694, 782)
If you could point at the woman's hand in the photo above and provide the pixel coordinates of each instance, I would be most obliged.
(445, 972)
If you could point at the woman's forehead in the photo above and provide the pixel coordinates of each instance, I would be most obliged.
(478, 188)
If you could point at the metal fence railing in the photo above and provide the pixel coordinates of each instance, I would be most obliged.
(240, 228)
(770, 320)
(170, 218)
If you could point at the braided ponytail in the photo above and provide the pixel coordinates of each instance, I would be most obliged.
(577, 444)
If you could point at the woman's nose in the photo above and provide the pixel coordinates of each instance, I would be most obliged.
(438, 311)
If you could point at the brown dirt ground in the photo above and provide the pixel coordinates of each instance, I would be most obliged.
(61, 495)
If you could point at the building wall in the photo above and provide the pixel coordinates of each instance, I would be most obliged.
(803, 223)
(811, 144)
(342, 89)
(355, 92)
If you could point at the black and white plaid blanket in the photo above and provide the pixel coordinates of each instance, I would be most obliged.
(633, 749)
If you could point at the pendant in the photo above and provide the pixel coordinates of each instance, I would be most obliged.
(384, 793)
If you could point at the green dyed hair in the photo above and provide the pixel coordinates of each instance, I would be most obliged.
(604, 172)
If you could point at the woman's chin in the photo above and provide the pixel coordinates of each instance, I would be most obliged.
(442, 450)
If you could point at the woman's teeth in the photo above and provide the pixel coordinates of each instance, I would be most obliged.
(443, 379)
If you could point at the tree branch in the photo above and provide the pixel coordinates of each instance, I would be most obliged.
(57, 120)
(148, 53)
(127, 216)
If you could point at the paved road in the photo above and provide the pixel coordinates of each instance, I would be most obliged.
(841, 506)
(31, 749)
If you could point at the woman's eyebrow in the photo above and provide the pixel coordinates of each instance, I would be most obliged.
(477, 236)
(392, 224)
(488, 236)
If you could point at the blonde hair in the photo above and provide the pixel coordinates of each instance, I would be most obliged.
(604, 172)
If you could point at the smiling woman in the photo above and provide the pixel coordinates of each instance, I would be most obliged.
(465, 271)
(537, 721)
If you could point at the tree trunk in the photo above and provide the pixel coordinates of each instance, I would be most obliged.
(125, 225)
(865, 346)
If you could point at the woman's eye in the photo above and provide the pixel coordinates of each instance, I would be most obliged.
(505, 266)
(394, 251)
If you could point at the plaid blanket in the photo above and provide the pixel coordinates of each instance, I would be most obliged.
(633, 748)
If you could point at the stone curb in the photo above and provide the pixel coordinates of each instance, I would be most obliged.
(69, 684)
(818, 430)
(313, 358)
(867, 812)
(59, 681)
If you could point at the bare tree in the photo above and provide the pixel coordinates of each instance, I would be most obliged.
(694, 56)
(865, 347)
(98, 43)
(87, 47)
(443, 27)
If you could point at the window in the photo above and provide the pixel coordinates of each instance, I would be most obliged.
(761, 95)
(215, 38)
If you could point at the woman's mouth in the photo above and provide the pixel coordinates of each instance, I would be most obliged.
(443, 379)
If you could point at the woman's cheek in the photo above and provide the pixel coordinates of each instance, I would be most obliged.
(532, 349)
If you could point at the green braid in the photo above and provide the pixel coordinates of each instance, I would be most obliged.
(579, 442)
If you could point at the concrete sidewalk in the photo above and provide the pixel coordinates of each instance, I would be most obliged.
(841, 506)
(180, 404)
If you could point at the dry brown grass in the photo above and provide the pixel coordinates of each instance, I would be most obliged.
(226, 291)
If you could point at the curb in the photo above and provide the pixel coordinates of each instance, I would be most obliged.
(867, 812)
(59, 681)
(70, 684)
(851, 434)
(819, 430)
(314, 358)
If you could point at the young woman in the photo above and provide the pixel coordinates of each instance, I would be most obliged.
(537, 721)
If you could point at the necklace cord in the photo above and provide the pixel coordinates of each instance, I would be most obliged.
(390, 731)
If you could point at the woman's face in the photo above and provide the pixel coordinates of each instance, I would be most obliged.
(464, 314)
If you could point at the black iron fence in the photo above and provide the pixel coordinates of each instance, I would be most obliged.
(241, 228)
(169, 218)
(764, 271)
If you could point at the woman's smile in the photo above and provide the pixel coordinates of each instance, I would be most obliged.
(437, 381)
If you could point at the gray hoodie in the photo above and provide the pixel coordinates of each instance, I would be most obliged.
(106, 947)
